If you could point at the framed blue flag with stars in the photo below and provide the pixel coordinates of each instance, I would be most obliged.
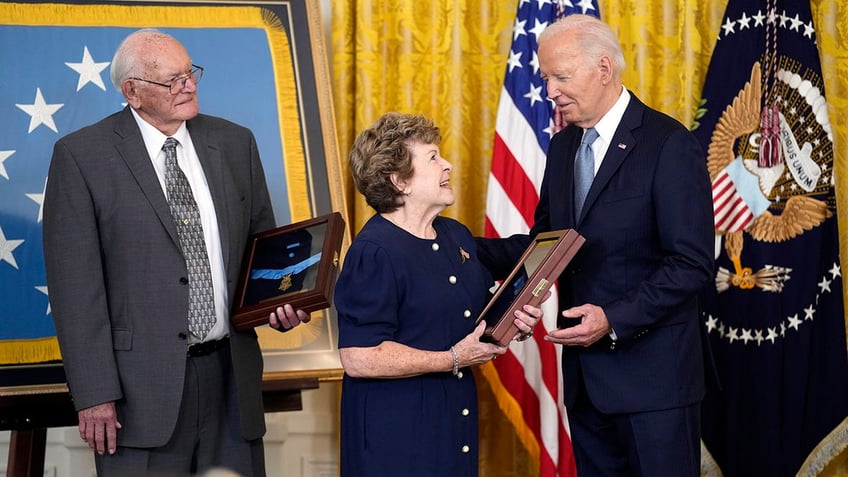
(262, 69)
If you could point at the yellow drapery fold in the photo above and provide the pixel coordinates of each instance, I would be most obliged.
(446, 59)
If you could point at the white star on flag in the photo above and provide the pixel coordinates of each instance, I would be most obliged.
(514, 61)
(40, 112)
(518, 29)
(39, 199)
(44, 290)
(6, 248)
(3, 156)
(88, 70)
(586, 5)
(535, 94)
(538, 28)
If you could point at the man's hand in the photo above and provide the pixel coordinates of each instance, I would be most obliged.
(98, 426)
(527, 318)
(286, 317)
(593, 326)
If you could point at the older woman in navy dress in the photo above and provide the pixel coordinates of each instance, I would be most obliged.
(407, 298)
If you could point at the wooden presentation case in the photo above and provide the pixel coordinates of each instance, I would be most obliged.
(538, 268)
(300, 263)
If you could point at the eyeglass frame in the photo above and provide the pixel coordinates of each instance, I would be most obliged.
(195, 75)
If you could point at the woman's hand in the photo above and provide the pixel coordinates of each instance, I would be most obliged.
(471, 350)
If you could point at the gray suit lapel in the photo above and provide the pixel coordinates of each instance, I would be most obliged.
(132, 150)
(212, 159)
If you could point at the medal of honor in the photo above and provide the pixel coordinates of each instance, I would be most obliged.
(285, 283)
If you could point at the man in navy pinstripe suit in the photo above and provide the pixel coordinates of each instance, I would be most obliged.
(632, 352)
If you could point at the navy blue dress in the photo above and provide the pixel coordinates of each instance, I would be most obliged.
(425, 294)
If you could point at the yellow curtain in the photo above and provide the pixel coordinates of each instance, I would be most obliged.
(446, 59)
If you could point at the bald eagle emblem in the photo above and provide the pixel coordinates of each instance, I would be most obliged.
(767, 165)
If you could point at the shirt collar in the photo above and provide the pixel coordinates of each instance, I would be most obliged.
(609, 122)
(154, 139)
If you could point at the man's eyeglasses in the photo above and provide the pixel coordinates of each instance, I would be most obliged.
(178, 83)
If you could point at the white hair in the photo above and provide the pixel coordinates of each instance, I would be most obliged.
(594, 38)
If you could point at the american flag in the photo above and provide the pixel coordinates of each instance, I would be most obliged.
(527, 381)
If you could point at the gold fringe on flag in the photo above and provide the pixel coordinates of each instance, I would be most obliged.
(512, 410)
(828, 455)
(40, 350)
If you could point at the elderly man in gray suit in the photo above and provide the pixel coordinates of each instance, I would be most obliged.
(146, 218)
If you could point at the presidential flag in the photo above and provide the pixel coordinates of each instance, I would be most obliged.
(56, 60)
(774, 314)
(527, 380)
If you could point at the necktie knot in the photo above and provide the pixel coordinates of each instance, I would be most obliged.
(170, 148)
(588, 137)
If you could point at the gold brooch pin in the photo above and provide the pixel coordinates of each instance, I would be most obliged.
(463, 254)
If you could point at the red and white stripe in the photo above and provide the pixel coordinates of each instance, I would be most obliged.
(731, 212)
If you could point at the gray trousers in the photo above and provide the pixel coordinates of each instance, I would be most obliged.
(206, 435)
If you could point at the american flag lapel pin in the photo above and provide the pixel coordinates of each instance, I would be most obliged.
(622, 146)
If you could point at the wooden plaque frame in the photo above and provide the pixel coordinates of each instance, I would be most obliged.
(538, 268)
(296, 264)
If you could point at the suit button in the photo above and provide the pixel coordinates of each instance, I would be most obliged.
(182, 335)
(183, 281)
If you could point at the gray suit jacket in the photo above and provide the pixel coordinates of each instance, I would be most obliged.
(116, 276)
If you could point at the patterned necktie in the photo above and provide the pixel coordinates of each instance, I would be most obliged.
(201, 304)
(584, 170)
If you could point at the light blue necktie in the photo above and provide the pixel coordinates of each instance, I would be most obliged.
(584, 170)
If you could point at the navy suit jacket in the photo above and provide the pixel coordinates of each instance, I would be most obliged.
(116, 273)
(648, 224)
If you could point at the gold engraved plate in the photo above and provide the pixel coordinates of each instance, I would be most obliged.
(542, 287)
